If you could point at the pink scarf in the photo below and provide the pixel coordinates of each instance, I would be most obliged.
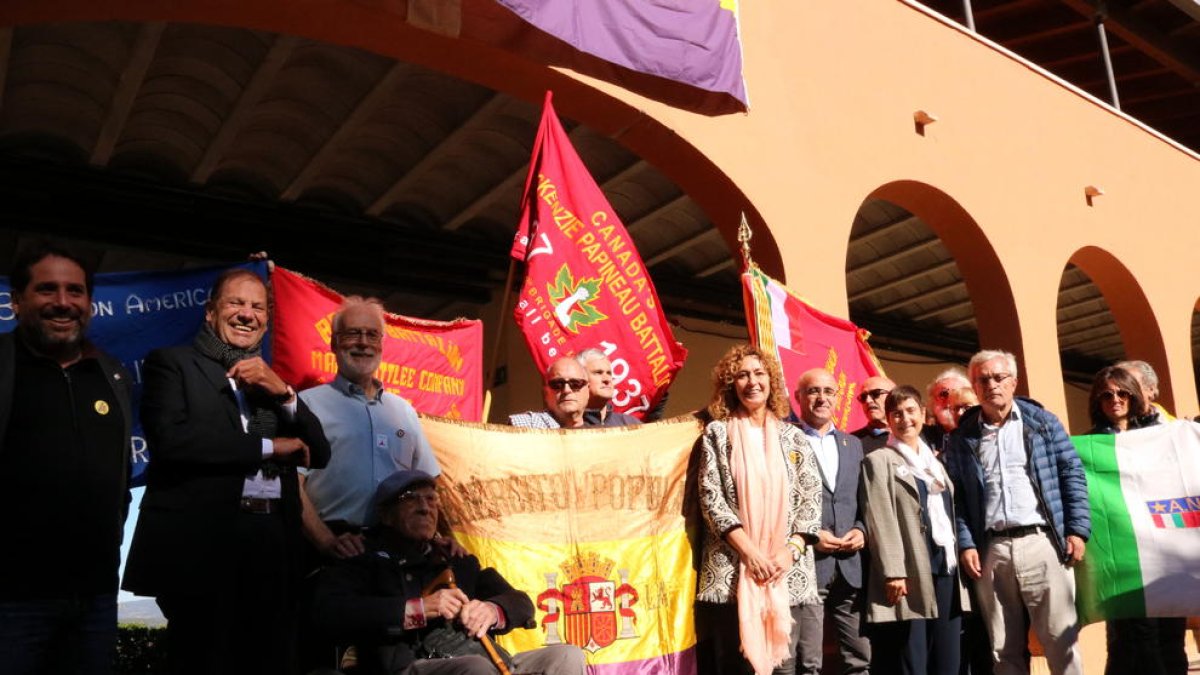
(760, 478)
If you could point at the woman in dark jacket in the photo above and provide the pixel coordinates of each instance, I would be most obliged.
(1152, 646)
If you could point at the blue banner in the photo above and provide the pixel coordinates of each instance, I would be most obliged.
(134, 313)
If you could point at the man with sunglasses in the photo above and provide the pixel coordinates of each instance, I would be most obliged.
(373, 434)
(874, 433)
(1022, 517)
(565, 394)
(939, 393)
(405, 617)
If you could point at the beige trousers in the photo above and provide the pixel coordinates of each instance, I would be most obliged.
(1024, 574)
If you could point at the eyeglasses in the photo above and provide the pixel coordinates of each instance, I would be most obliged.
(818, 391)
(560, 383)
(369, 335)
(409, 496)
(872, 394)
(998, 378)
(1111, 395)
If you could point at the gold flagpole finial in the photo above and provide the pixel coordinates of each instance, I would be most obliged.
(743, 236)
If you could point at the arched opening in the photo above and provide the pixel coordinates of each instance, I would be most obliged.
(383, 167)
(1104, 317)
(922, 277)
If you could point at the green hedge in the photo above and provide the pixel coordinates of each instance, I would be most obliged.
(141, 649)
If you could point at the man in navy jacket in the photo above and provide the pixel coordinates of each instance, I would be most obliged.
(1022, 517)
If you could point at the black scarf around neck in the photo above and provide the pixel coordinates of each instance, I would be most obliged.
(262, 417)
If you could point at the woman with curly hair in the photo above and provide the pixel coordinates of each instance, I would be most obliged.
(760, 495)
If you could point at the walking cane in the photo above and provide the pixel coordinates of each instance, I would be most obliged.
(446, 579)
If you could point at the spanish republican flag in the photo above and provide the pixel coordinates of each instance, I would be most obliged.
(585, 283)
(803, 338)
(594, 533)
(1143, 559)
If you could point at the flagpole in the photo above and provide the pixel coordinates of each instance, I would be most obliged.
(494, 357)
(744, 234)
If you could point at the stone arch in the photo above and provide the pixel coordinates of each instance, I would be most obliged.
(1136, 324)
(383, 28)
(989, 293)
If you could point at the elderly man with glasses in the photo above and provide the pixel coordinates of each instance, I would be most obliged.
(565, 393)
(1022, 517)
(874, 433)
(411, 609)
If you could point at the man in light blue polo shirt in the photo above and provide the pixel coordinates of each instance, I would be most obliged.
(373, 434)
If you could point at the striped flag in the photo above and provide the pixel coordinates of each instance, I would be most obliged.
(1144, 555)
(594, 534)
(803, 338)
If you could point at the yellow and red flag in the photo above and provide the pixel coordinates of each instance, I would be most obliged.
(585, 283)
(595, 536)
(436, 365)
(804, 338)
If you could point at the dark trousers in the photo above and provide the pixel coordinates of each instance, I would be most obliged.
(1146, 647)
(247, 626)
(976, 645)
(719, 642)
(921, 646)
(842, 603)
(76, 635)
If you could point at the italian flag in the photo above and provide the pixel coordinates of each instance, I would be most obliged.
(1143, 559)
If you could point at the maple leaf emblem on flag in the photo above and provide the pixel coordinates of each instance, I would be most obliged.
(574, 301)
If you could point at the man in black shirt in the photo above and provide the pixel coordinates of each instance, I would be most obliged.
(65, 416)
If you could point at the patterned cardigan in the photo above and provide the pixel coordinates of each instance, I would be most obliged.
(718, 503)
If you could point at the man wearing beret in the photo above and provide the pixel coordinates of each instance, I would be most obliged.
(384, 601)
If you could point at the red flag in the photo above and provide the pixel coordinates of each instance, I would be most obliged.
(805, 338)
(585, 284)
(436, 365)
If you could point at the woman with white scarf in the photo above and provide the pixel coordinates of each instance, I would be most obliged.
(915, 598)
(760, 495)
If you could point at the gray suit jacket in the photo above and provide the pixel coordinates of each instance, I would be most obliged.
(892, 509)
(840, 513)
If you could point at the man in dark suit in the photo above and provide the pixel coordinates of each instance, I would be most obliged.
(65, 416)
(841, 538)
(218, 538)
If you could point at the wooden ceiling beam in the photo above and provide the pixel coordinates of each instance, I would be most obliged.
(657, 213)
(127, 90)
(1173, 53)
(436, 154)
(898, 254)
(690, 242)
(367, 105)
(258, 85)
(903, 279)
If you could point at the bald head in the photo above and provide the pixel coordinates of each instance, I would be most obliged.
(817, 395)
(565, 391)
(874, 391)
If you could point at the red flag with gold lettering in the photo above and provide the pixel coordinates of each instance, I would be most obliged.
(585, 283)
(804, 337)
(436, 365)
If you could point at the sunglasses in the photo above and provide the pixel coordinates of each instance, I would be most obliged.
(872, 394)
(1114, 395)
(559, 383)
